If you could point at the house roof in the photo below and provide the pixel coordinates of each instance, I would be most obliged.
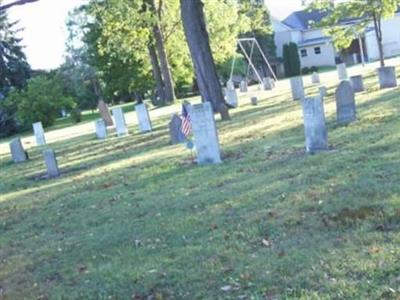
(303, 19)
(314, 42)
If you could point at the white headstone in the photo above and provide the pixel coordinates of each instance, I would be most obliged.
(175, 130)
(231, 97)
(101, 129)
(205, 133)
(18, 153)
(230, 85)
(243, 86)
(143, 117)
(39, 134)
(342, 71)
(314, 125)
(120, 124)
(357, 83)
(51, 163)
(297, 88)
(315, 78)
(387, 77)
(267, 84)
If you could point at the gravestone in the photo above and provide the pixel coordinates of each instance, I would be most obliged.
(314, 124)
(231, 97)
(267, 84)
(51, 163)
(254, 101)
(315, 78)
(323, 91)
(120, 124)
(230, 85)
(143, 116)
(357, 83)
(345, 103)
(342, 71)
(297, 86)
(205, 133)
(18, 154)
(105, 113)
(272, 81)
(101, 129)
(175, 130)
(387, 77)
(243, 86)
(39, 134)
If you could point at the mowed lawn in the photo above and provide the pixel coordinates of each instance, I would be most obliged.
(135, 218)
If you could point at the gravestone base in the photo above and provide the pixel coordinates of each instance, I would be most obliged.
(18, 153)
(51, 163)
(315, 130)
(297, 86)
(205, 133)
(387, 77)
(357, 83)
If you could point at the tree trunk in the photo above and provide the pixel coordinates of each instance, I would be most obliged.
(157, 74)
(162, 55)
(199, 45)
(101, 105)
(378, 33)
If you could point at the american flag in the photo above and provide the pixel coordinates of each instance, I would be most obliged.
(186, 122)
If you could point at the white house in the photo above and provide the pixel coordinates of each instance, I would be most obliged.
(317, 49)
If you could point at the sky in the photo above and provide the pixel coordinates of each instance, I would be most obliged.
(45, 32)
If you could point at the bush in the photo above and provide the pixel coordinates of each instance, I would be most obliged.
(41, 100)
(291, 60)
(76, 115)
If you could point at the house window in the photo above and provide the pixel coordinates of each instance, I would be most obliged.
(303, 52)
(317, 50)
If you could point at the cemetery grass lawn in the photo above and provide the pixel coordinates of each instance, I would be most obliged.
(135, 218)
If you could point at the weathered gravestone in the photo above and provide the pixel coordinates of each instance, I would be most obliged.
(243, 86)
(387, 77)
(342, 71)
(143, 116)
(357, 83)
(314, 124)
(105, 113)
(175, 130)
(120, 124)
(230, 85)
(254, 101)
(18, 154)
(345, 103)
(267, 84)
(231, 97)
(51, 163)
(205, 133)
(101, 129)
(315, 78)
(39, 134)
(323, 91)
(297, 86)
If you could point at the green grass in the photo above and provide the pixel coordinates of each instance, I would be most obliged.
(135, 218)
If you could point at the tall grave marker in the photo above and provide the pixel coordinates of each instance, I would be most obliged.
(297, 86)
(345, 103)
(143, 116)
(18, 153)
(39, 133)
(120, 124)
(51, 163)
(205, 133)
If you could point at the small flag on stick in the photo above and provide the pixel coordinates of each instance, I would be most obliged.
(186, 121)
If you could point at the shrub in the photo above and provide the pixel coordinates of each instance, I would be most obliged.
(41, 100)
(291, 60)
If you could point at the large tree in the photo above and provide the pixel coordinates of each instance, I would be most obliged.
(363, 12)
(199, 45)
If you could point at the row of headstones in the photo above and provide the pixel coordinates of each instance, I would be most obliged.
(313, 107)
(19, 155)
(232, 97)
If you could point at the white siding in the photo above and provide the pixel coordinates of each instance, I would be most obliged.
(313, 34)
(325, 58)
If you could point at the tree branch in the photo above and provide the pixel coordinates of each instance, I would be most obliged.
(18, 2)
